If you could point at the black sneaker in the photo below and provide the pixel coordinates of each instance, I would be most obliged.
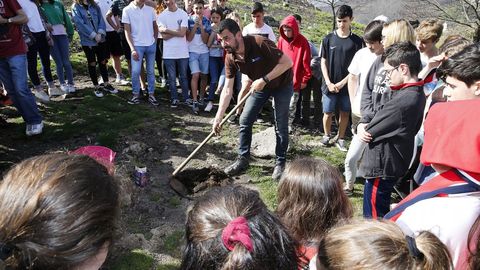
(108, 87)
(278, 171)
(152, 100)
(134, 100)
(195, 107)
(234, 119)
(174, 103)
(240, 164)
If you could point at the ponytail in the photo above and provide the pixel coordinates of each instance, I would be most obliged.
(434, 253)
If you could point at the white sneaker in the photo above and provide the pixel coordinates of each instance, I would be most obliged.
(41, 95)
(71, 88)
(163, 83)
(209, 106)
(121, 81)
(54, 91)
(63, 87)
(34, 129)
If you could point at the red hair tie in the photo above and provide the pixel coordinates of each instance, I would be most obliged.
(237, 231)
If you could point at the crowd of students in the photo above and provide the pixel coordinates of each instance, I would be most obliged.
(412, 109)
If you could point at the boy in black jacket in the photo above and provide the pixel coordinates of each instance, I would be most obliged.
(391, 133)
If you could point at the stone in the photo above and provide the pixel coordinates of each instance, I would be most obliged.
(263, 143)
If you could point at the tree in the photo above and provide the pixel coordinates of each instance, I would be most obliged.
(462, 12)
(332, 4)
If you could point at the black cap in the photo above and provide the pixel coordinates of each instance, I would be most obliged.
(257, 7)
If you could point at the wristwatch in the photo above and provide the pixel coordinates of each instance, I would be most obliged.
(9, 20)
(265, 79)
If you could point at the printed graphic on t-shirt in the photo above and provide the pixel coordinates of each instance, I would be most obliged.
(259, 34)
(4, 28)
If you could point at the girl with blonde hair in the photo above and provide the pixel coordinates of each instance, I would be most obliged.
(371, 244)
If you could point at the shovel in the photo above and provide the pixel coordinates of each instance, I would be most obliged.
(179, 168)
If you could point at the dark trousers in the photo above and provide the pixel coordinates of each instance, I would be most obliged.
(253, 106)
(159, 59)
(40, 46)
(313, 87)
(376, 196)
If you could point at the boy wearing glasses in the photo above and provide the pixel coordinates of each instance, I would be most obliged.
(391, 133)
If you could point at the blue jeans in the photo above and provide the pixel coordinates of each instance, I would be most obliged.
(13, 75)
(253, 106)
(238, 80)
(215, 65)
(61, 56)
(149, 53)
(172, 65)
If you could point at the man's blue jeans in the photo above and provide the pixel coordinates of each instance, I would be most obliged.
(13, 75)
(60, 53)
(149, 53)
(172, 65)
(253, 106)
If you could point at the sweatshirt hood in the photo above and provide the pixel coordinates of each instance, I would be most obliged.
(289, 21)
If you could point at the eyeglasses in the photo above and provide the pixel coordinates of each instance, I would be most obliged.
(388, 72)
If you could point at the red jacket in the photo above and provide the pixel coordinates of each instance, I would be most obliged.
(298, 50)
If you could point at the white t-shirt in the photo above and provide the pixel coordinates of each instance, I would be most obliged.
(104, 6)
(449, 218)
(34, 20)
(140, 20)
(265, 31)
(360, 65)
(175, 47)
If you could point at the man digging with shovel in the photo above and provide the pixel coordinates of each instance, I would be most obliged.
(271, 75)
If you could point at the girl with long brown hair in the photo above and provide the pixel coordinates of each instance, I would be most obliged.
(310, 202)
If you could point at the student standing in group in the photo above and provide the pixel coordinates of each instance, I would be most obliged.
(159, 8)
(62, 33)
(216, 62)
(90, 25)
(258, 25)
(338, 49)
(113, 41)
(141, 32)
(391, 132)
(172, 24)
(13, 65)
(198, 32)
(359, 67)
(39, 46)
(295, 46)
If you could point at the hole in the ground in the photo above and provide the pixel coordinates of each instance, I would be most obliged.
(192, 182)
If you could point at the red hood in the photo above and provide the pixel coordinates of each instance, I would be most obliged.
(452, 135)
(292, 23)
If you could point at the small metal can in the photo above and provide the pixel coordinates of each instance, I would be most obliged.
(140, 176)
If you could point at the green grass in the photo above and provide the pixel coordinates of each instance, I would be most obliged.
(172, 243)
(168, 266)
(137, 259)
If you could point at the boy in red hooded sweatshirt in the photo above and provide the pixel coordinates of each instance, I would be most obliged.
(295, 45)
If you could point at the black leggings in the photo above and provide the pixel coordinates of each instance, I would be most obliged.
(41, 47)
(159, 59)
(96, 54)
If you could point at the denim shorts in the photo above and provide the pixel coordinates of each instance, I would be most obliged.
(331, 101)
(199, 62)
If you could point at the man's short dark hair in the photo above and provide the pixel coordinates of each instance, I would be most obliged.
(297, 17)
(404, 53)
(198, 2)
(373, 32)
(230, 25)
(344, 11)
(257, 7)
(463, 66)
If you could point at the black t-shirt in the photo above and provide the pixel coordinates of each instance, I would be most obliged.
(339, 53)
